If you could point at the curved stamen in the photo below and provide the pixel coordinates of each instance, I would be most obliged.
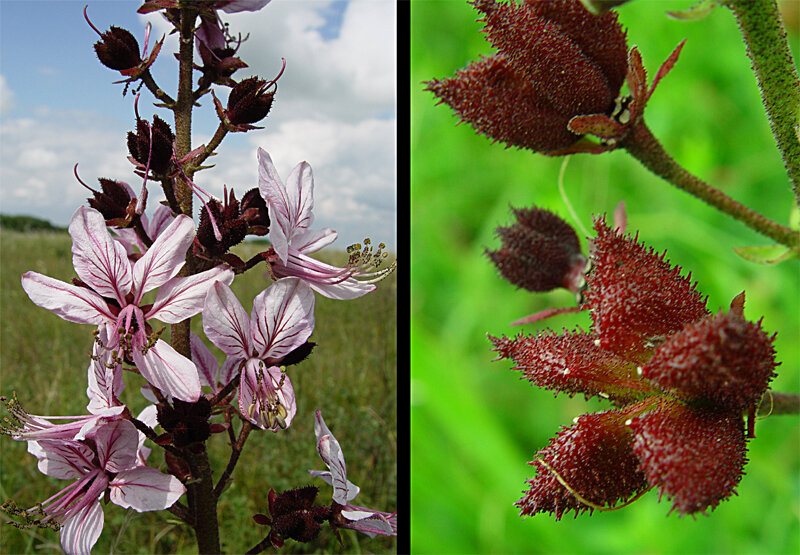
(86, 17)
(197, 190)
(75, 173)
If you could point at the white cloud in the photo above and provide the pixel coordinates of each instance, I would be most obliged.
(6, 97)
(334, 108)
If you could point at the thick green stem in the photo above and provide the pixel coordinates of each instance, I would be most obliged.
(765, 38)
(641, 143)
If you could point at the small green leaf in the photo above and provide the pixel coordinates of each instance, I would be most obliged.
(769, 254)
(696, 12)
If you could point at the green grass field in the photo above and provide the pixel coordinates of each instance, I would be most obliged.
(351, 377)
(475, 424)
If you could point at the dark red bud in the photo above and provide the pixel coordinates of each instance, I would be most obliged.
(724, 360)
(118, 49)
(113, 201)
(255, 213)
(694, 457)
(160, 156)
(594, 458)
(540, 252)
(249, 101)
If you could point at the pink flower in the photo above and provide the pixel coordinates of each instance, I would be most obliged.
(290, 214)
(111, 289)
(350, 516)
(108, 464)
(281, 321)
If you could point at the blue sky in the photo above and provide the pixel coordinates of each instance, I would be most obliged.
(335, 107)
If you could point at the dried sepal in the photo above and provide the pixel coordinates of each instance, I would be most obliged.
(723, 360)
(594, 459)
(694, 456)
(539, 252)
(573, 363)
(637, 297)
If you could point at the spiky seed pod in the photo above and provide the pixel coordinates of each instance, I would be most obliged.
(555, 61)
(294, 516)
(723, 360)
(540, 252)
(255, 213)
(186, 422)
(249, 101)
(230, 223)
(118, 49)
(694, 456)
(573, 363)
(594, 457)
(160, 157)
(113, 202)
(636, 297)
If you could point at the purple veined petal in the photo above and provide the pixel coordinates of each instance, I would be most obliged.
(206, 363)
(117, 444)
(226, 322)
(229, 370)
(248, 390)
(282, 318)
(290, 206)
(81, 530)
(99, 261)
(164, 258)
(145, 489)
(149, 416)
(331, 453)
(104, 377)
(244, 5)
(70, 302)
(169, 371)
(102, 417)
(160, 221)
(64, 459)
(183, 297)
(312, 240)
(344, 291)
(329, 281)
(370, 522)
(352, 489)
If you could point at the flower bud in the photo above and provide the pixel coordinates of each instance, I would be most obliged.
(540, 252)
(555, 61)
(118, 49)
(114, 200)
(187, 423)
(724, 360)
(254, 212)
(249, 101)
(232, 226)
(159, 157)
(594, 458)
(695, 457)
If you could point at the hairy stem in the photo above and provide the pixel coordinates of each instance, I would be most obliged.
(779, 403)
(643, 146)
(236, 450)
(765, 38)
(204, 501)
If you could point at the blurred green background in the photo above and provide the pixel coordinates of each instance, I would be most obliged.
(474, 423)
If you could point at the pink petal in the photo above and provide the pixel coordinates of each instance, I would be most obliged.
(164, 258)
(207, 365)
(145, 489)
(81, 530)
(99, 261)
(244, 5)
(290, 205)
(229, 370)
(344, 291)
(169, 371)
(117, 443)
(64, 459)
(70, 302)
(182, 297)
(104, 376)
(282, 318)
(226, 323)
(332, 455)
(312, 240)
